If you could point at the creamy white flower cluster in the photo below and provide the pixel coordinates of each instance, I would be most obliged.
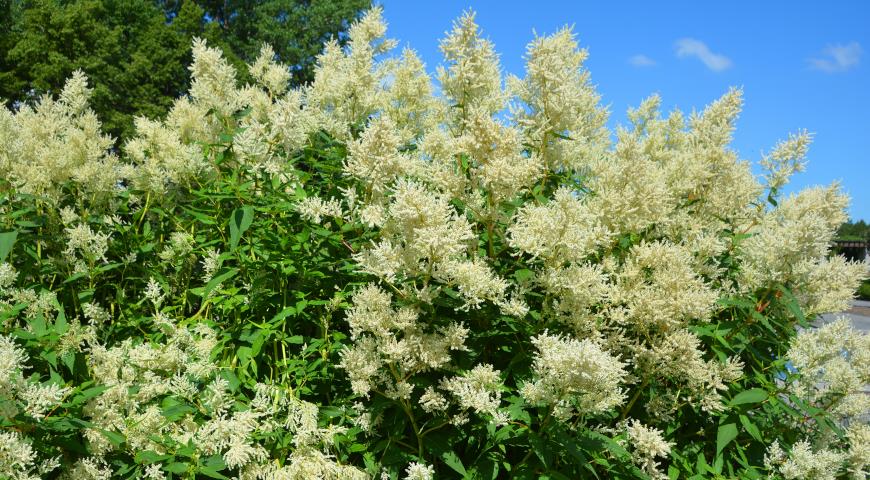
(24, 395)
(56, 141)
(791, 244)
(442, 195)
(619, 241)
(647, 444)
(18, 461)
(140, 377)
(834, 366)
(804, 462)
(314, 209)
(676, 361)
(37, 302)
(575, 376)
(419, 471)
(833, 369)
(557, 105)
(392, 345)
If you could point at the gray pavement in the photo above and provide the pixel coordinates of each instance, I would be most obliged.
(860, 322)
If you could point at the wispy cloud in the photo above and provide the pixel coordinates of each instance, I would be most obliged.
(690, 47)
(837, 58)
(641, 61)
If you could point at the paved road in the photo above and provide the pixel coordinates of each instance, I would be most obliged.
(858, 315)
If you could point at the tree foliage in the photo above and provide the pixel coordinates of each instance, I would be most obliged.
(295, 29)
(136, 52)
(853, 230)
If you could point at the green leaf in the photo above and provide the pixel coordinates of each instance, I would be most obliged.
(259, 340)
(7, 240)
(240, 221)
(176, 467)
(540, 447)
(148, 456)
(286, 312)
(212, 473)
(115, 438)
(87, 394)
(701, 465)
(244, 354)
(232, 379)
(750, 428)
(753, 395)
(792, 304)
(200, 216)
(524, 274)
(452, 460)
(177, 411)
(726, 433)
(212, 466)
(217, 280)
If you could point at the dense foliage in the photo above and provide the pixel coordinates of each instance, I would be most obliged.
(136, 52)
(295, 29)
(854, 231)
(360, 278)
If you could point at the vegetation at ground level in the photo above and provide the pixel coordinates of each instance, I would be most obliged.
(361, 278)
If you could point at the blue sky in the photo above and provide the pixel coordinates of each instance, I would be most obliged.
(802, 65)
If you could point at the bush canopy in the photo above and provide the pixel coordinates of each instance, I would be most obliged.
(387, 275)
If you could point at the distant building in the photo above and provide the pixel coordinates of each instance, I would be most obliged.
(852, 249)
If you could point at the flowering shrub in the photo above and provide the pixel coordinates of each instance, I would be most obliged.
(363, 278)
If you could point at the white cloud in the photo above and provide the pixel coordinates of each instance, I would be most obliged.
(689, 47)
(838, 58)
(641, 61)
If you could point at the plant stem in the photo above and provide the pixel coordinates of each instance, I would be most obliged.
(634, 398)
